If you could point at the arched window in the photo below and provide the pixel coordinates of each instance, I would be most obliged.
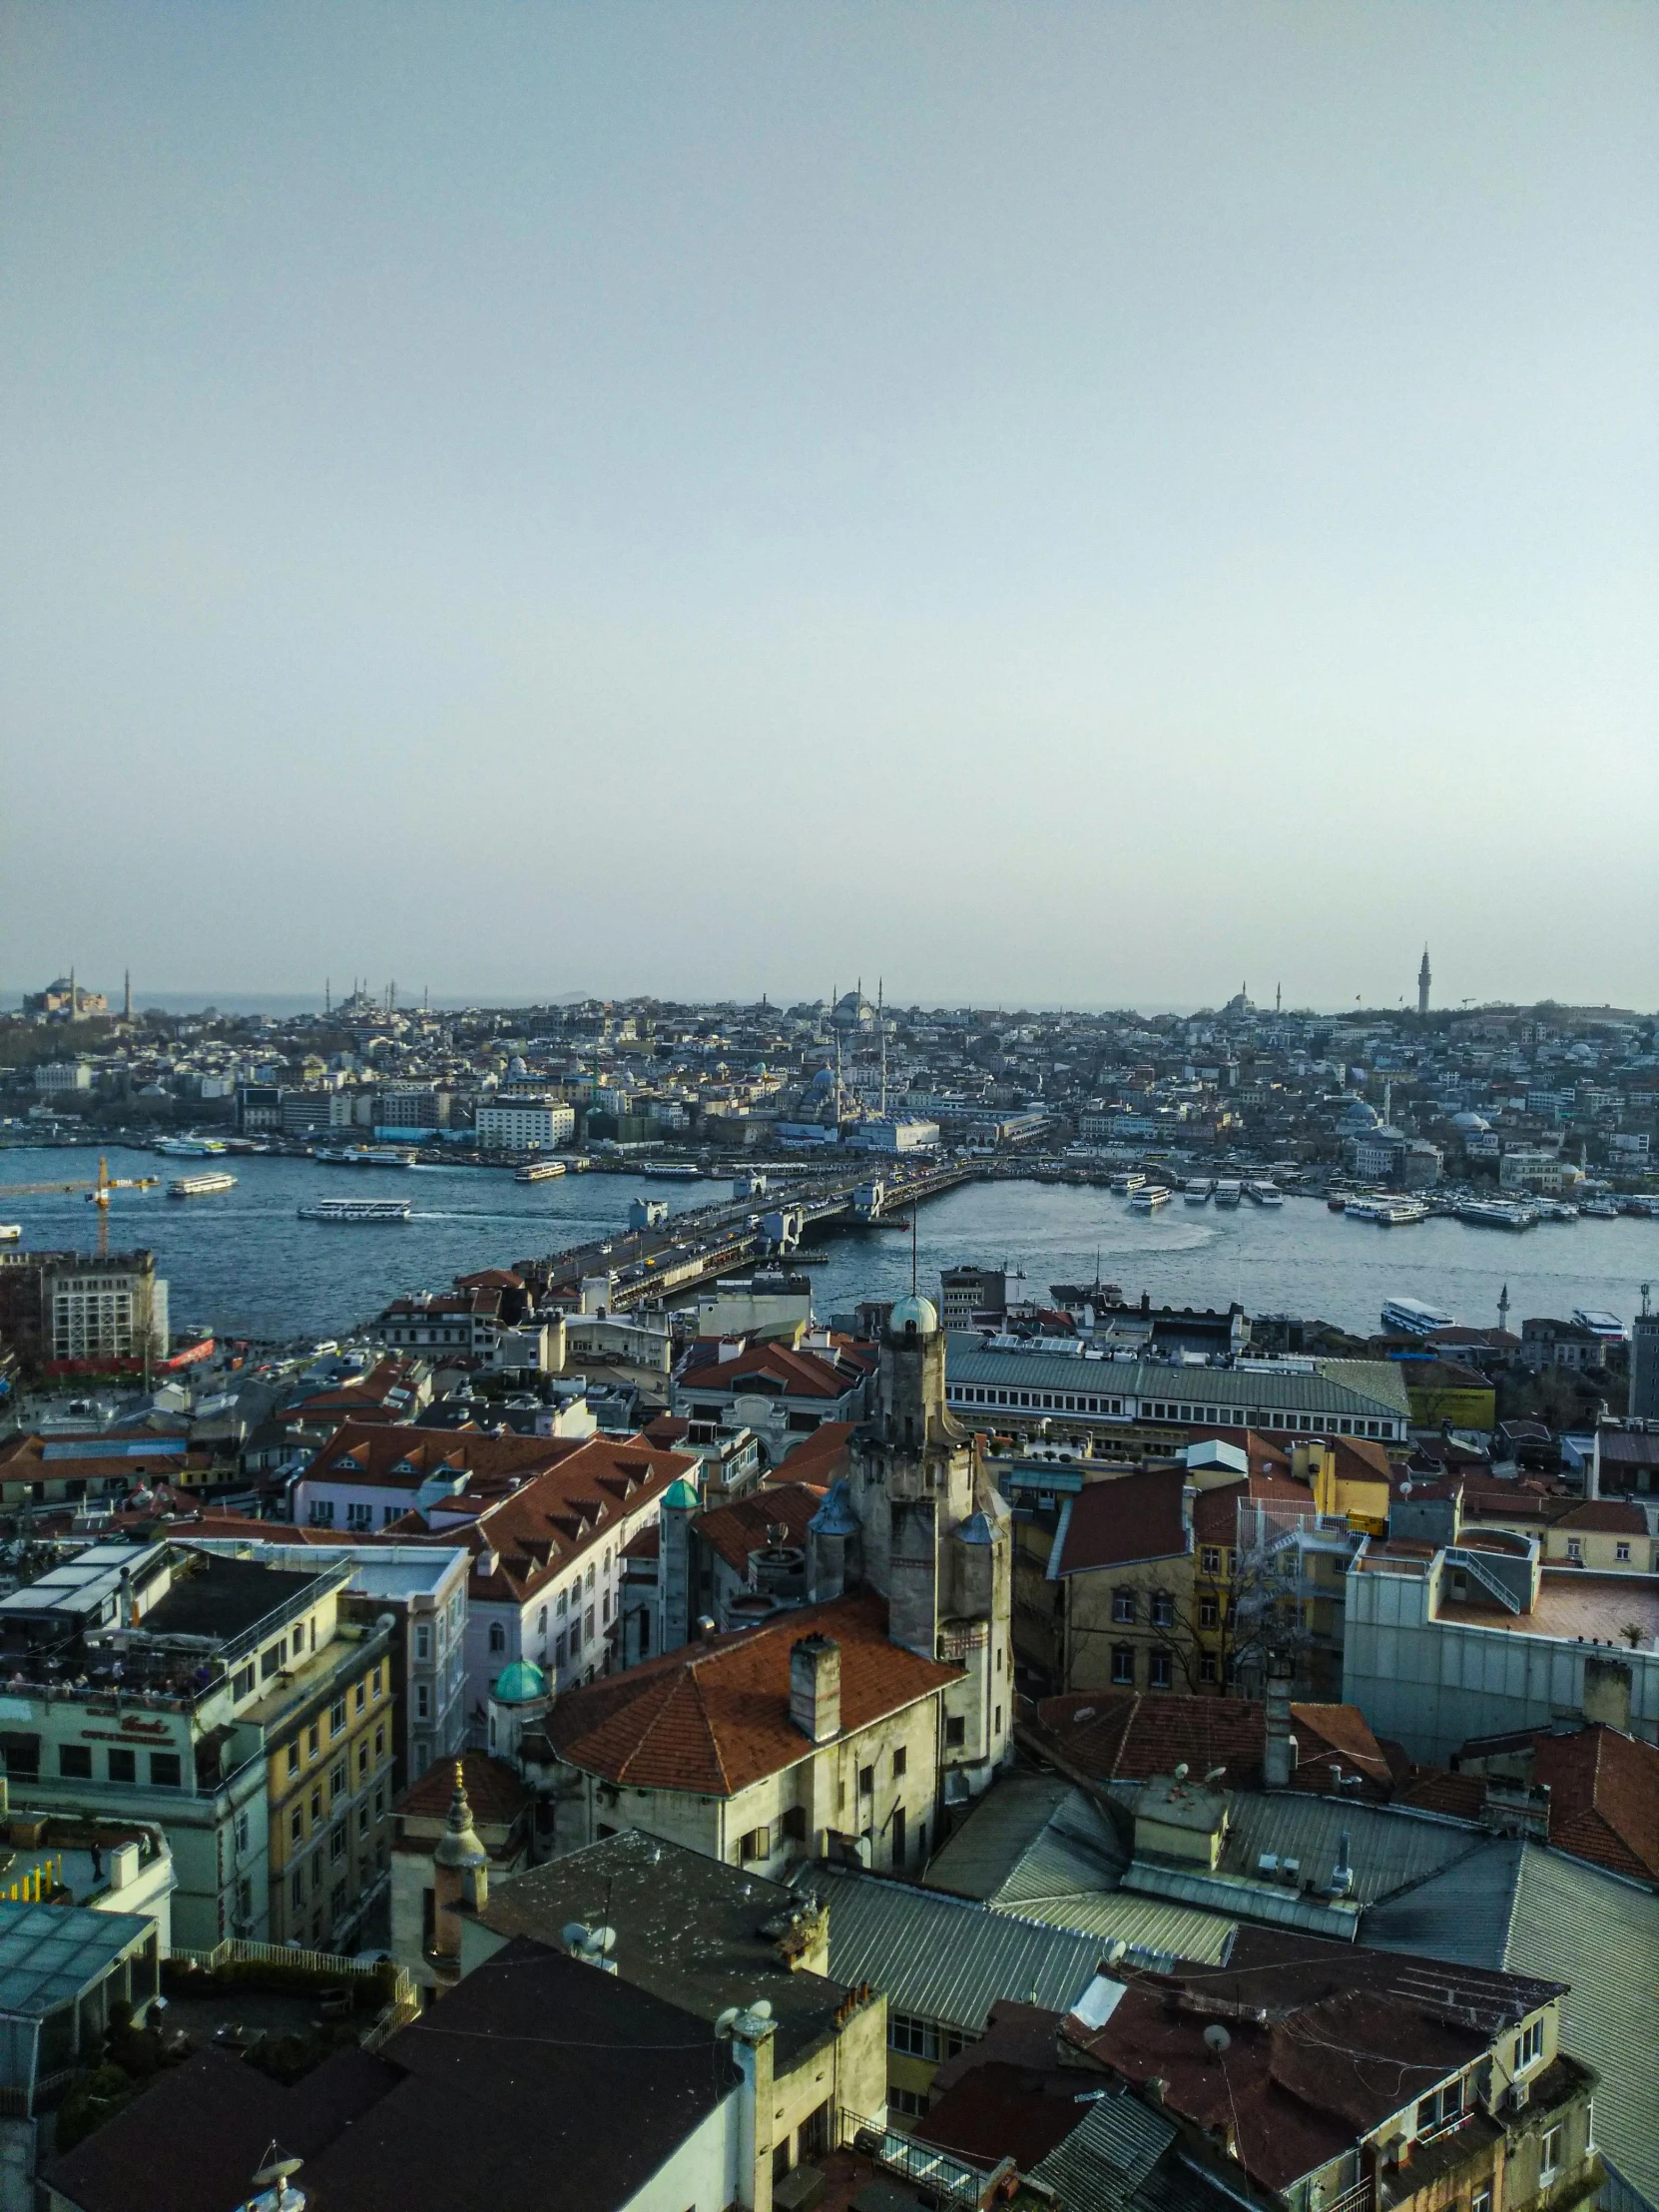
(541, 1621)
(498, 1637)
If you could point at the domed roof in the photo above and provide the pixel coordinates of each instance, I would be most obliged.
(520, 1683)
(919, 1313)
(1470, 1121)
(678, 1497)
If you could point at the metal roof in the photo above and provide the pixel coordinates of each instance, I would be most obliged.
(50, 1954)
(1102, 2162)
(1365, 1387)
(1002, 1826)
(942, 1959)
(1530, 1910)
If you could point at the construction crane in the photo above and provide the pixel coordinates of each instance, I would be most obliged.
(96, 1193)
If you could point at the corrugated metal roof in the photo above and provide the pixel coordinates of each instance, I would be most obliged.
(943, 1960)
(990, 1843)
(1533, 1911)
(1389, 1848)
(1366, 1388)
(1147, 1925)
(1103, 2161)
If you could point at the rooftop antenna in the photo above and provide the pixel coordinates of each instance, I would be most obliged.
(327, 995)
(913, 1212)
(127, 995)
(881, 1025)
(1646, 1292)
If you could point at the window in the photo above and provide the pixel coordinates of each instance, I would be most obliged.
(336, 1780)
(317, 1805)
(866, 1781)
(756, 1843)
(1160, 1670)
(271, 1660)
(1209, 1668)
(336, 1840)
(1622, 1553)
(1549, 2154)
(1576, 1552)
(424, 1702)
(1123, 1663)
(75, 1759)
(955, 1734)
(312, 1740)
(362, 1695)
(909, 2104)
(1440, 2107)
(297, 1825)
(296, 1888)
(21, 1752)
(898, 1836)
(293, 1757)
(1208, 1559)
(241, 1684)
(561, 1604)
(498, 1637)
(123, 1766)
(587, 1625)
(1481, 2201)
(359, 1515)
(1209, 1613)
(337, 1717)
(575, 1636)
(1529, 2048)
(1123, 1607)
(424, 1642)
(165, 1770)
(559, 1649)
(381, 1741)
(243, 1829)
(1163, 1609)
(362, 1760)
(336, 1901)
(362, 1820)
(915, 2038)
(588, 1580)
(899, 1763)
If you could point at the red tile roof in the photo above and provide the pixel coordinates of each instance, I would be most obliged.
(493, 1791)
(743, 1525)
(1610, 1517)
(772, 1367)
(1125, 1518)
(1604, 1798)
(819, 1457)
(714, 1717)
(1130, 1736)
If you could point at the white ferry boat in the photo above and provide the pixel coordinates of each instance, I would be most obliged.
(1149, 1197)
(1387, 1211)
(369, 1156)
(1198, 1193)
(1599, 1209)
(1496, 1212)
(380, 1210)
(1599, 1322)
(670, 1171)
(538, 1171)
(1125, 1186)
(189, 1148)
(200, 1186)
(1228, 1191)
(11, 1232)
(1264, 1194)
(1409, 1317)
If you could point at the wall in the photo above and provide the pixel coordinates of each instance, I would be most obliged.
(706, 2173)
(1432, 1685)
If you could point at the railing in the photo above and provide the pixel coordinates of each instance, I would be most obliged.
(238, 1951)
(1358, 2198)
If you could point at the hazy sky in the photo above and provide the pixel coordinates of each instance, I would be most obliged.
(1039, 504)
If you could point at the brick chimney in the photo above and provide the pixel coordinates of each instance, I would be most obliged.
(815, 1688)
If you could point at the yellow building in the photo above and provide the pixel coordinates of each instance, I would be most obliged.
(330, 1746)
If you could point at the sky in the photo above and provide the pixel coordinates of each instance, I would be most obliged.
(1043, 505)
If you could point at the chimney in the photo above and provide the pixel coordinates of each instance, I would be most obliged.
(1606, 1694)
(815, 1688)
(1189, 1498)
(1275, 1751)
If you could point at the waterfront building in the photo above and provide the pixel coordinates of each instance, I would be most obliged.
(524, 1125)
(84, 1307)
(973, 1298)
(1051, 1387)
(63, 1078)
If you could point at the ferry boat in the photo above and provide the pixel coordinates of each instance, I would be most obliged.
(1599, 1322)
(1386, 1211)
(1149, 1197)
(1496, 1212)
(368, 1156)
(539, 1171)
(1264, 1194)
(1228, 1191)
(1409, 1317)
(378, 1210)
(1198, 1193)
(1125, 1186)
(189, 1148)
(1599, 1209)
(10, 1232)
(200, 1186)
(670, 1171)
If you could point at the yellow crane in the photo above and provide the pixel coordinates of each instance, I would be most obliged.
(97, 1193)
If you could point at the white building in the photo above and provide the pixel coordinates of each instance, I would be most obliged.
(524, 1125)
(896, 1136)
(114, 1308)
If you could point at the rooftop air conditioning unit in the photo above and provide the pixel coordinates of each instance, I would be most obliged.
(1520, 2095)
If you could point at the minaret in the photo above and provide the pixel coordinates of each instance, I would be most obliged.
(1503, 1308)
(1423, 985)
(460, 1875)
(127, 995)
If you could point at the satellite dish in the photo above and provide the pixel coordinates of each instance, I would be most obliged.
(602, 1939)
(574, 1935)
(1115, 1951)
(1182, 1771)
(1216, 2039)
(724, 2024)
(762, 2008)
(1214, 1774)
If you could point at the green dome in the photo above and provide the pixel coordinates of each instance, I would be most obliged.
(522, 1683)
(680, 1497)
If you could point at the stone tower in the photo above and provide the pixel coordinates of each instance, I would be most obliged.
(1423, 985)
(919, 1520)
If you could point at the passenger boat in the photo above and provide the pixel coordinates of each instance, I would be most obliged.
(1409, 1317)
(368, 1156)
(10, 1232)
(371, 1209)
(1149, 1197)
(1599, 1322)
(1198, 1193)
(1496, 1212)
(1599, 1209)
(1125, 1186)
(538, 1171)
(200, 1186)
(1228, 1191)
(189, 1147)
(1264, 1194)
(670, 1171)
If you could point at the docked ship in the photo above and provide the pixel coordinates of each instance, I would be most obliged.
(670, 1171)
(1599, 1322)
(368, 1156)
(1228, 1191)
(1388, 1212)
(1409, 1317)
(1196, 1193)
(189, 1147)
(1149, 1197)
(1599, 1209)
(1496, 1212)
(1264, 1194)
(1125, 1186)
(538, 1171)
(200, 1186)
(11, 1232)
(374, 1210)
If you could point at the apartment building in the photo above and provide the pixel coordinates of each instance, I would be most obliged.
(524, 1125)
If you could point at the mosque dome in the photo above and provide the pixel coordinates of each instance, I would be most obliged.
(1470, 1121)
(852, 1010)
(521, 1683)
(919, 1313)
